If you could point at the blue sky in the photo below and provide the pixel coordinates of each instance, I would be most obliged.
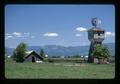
(65, 25)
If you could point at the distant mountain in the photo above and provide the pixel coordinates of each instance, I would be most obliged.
(57, 50)
(61, 50)
(9, 51)
(35, 48)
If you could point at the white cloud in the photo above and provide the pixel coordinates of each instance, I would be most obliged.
(81, 29)
(7, 37)
(109, 34)
(17, 34)
(77, 35)
(27, 33)
(50, 34)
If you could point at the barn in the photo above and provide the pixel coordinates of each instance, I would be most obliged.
(32, 56)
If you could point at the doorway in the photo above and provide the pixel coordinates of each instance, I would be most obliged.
(33, 59)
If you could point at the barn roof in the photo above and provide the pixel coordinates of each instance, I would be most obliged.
(34, 53)
(28, 52)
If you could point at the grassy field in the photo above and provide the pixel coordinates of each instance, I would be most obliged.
(60, 70)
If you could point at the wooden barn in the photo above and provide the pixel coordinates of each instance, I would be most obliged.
(32, 56)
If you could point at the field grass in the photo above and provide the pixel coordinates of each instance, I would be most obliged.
(60, 70)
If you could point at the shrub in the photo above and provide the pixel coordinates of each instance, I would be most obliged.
(51, 60)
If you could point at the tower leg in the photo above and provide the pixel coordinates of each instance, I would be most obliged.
(90, 57)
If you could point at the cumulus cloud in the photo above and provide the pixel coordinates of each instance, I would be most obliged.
(81, 29)
(7, 37)
(109, 34)
(77, 35)
(17, 35)
(50, 34)
(27, 33)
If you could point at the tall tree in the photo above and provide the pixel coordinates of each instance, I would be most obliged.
(101, 52)
(19, 52)
(42, 53)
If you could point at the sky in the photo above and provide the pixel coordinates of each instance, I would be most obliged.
(66, 25)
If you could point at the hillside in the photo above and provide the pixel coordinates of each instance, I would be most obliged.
(57, 50)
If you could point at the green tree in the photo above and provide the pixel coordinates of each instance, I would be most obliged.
(42, 53)
(101, 52)
(14, 55)
(76, 56)
(19, 52)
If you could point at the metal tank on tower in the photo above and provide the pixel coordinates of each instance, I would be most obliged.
(95, 35)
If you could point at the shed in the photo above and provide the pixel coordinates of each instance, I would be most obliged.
(32, 56)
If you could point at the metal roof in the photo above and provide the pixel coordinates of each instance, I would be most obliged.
(28, 52)
(32, 52)
(96, 29)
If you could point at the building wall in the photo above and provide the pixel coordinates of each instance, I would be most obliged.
(29, 59)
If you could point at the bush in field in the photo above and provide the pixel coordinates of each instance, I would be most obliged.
(101, 52)
(54, 56)
(76, 56)
(19, 52)
(50, 60)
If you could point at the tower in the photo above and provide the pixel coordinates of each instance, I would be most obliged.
(95, 35)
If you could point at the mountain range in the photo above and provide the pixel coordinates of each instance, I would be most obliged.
(57, 50)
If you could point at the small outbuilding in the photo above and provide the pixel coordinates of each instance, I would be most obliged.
(32, 56)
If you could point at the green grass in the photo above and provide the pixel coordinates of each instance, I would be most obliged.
(62, 70)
